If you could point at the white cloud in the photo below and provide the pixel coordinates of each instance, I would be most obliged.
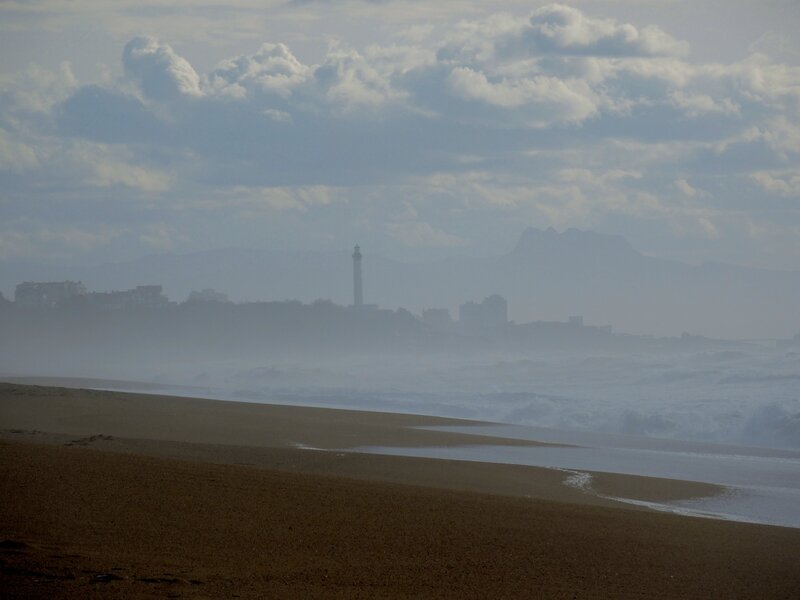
(695, 105)
(779, 183)
(553, 99)
(349, 82)
(554, 116)
(27, 239)
(561, 29)
(15, 155)
(271, 70)
(109, 173)
(256, 200)
(554, 30)
(159, 71)
(688, 190)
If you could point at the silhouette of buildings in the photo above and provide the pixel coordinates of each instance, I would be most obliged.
(358, 294)
(142, 296)
(47, 294)
(207, 296)
(491, 314)
(437, 319)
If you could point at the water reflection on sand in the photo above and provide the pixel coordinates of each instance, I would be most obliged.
(763, 484)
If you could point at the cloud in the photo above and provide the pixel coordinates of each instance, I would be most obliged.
(560, 29)
(272, 70)
(418, 234)
(26, 239)
(16, 156)
(554, 30)
(159, 71)
(685, 188)
(348, 81)
(255, 200)
(546, 100)
(553, 117)
(35, 91)
(108, 115)
(555, 68)
(109, 173)
(785, 184)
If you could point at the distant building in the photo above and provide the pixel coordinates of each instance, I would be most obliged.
(437, 318)
(47, 294)
(358, 293)
(575, 321)
(142, 296)
(490, 314)
(207, 296)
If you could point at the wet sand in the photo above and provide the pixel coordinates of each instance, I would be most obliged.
(128, 495)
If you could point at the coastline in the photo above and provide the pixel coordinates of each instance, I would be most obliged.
(316, 440)
(84, 470)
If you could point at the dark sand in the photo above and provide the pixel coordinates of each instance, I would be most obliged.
(126, 495)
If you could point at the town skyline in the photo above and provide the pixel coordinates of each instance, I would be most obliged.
(546, 277)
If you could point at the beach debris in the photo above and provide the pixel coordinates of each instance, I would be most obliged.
(88, 440)
(163, 579)
(106, 577)
(13, 545)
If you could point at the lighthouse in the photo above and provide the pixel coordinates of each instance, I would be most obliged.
(358, 296)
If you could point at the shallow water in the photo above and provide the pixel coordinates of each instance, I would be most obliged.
(763, 485)
(763, 482)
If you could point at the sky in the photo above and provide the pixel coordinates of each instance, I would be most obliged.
(417, 129)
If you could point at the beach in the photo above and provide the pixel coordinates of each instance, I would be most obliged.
(108, 494)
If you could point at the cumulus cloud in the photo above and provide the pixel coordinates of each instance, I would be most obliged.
(349, 81)
(273, 69)
(547, 100)
(555, 117)
(556, 67)
(160, 72)
(560, 29)
(555, 30)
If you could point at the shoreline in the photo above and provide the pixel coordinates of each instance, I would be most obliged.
(315, 440)
(91, 508)
(691, 479)
(79, 522)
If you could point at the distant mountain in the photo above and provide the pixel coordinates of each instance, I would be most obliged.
(573, 245)
(547, 275)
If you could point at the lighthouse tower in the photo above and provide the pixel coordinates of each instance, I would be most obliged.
(358, 296)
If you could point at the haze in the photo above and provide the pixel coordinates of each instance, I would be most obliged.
(624, 176)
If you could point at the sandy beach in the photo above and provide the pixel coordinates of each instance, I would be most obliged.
(108, 494)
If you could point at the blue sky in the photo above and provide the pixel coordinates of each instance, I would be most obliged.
(415, 128)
